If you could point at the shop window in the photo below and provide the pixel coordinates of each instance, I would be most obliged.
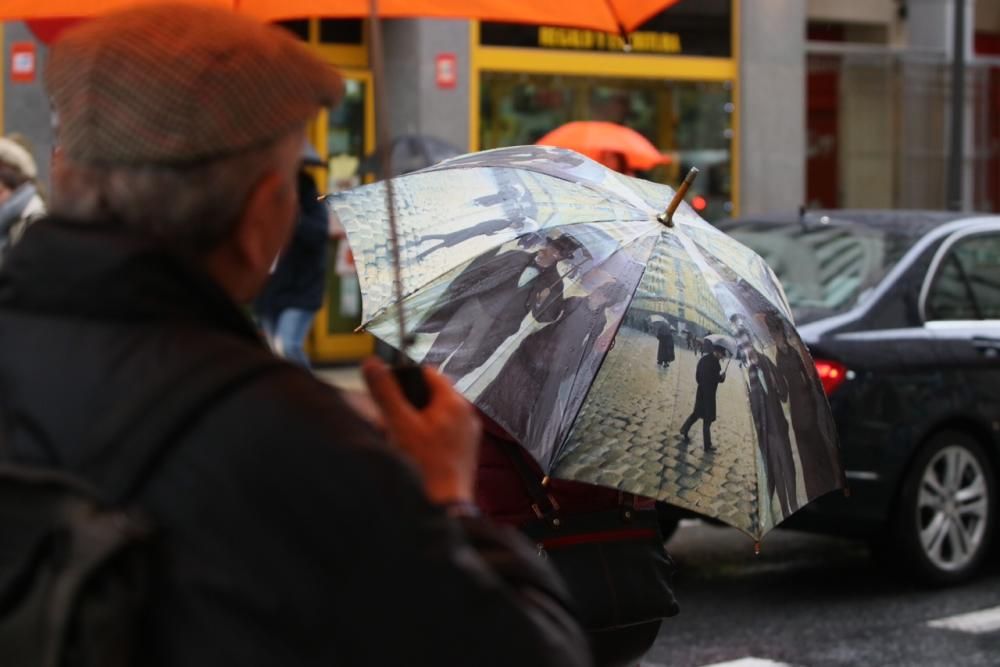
(336, 31)
(690, 121)
(298, 27)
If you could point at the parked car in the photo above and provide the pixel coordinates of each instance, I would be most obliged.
(901, 312)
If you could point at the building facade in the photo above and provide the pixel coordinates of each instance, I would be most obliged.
(780, 103)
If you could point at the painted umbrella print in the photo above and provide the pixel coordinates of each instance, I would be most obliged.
(658, 360)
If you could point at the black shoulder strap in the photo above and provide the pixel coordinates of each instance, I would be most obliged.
(130, 443)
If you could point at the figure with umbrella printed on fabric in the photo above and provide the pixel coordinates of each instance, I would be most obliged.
(486, 303)
(708, 375)
(665, 341)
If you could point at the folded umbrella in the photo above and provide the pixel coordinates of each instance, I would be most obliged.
(530, 272)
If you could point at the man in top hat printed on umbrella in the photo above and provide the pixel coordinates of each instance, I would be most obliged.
(486, 304)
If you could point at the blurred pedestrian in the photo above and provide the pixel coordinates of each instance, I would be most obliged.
(708, 375)
(288, 304)
(290, 532)
(20, 202)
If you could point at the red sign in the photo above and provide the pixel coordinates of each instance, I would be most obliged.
(22, 62)
(446, 70)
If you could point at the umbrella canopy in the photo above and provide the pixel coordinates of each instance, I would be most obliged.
(598, 139)
(606, 15)
(410, 152)
(727, 343)
(530, 273)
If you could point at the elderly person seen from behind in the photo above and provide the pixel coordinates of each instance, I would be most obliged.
(290, 531)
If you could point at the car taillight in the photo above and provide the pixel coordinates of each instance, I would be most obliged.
(831, 374)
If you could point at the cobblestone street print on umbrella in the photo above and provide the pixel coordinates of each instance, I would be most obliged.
(543, 284)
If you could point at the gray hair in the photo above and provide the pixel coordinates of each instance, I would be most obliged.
(190, 208)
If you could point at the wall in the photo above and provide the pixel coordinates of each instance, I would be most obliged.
(26, 105)
(772, 105)
(418, 105)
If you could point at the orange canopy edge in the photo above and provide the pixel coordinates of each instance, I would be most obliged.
(604, 15)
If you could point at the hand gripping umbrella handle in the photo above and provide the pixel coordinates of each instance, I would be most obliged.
(410, 378)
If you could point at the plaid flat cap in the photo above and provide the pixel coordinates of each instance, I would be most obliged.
(174, 84)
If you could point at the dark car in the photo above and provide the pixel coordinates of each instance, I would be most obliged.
(901, 312)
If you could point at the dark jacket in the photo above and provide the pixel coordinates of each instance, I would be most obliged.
(290, 534)
(708, 375)
(299, 279)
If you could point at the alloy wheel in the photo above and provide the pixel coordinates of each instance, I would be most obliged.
(952, 508)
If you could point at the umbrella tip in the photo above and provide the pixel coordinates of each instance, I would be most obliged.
(667, 217)
(756, 548)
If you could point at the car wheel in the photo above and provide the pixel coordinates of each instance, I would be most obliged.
(946, 512)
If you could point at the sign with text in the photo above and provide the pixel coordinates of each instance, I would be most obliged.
(23, 62)
(688, 28)
(446, 70)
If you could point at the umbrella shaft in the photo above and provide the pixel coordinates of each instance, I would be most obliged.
(382, 122)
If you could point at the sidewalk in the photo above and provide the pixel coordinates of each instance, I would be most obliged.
(345, 377)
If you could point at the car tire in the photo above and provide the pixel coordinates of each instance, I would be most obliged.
(946, 511)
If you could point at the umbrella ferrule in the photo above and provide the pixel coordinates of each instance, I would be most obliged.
(667, 217)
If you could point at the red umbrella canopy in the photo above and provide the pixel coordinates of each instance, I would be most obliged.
(600, 141)
(606, 15)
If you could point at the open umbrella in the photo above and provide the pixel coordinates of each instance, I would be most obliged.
(599, 139)
(727, 343)
(523, 269)
(606, 15)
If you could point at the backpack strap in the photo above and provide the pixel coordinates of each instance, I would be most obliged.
(140, 432)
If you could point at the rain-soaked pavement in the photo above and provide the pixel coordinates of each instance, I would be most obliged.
(811, 601)
(636, 435)
(804, 601)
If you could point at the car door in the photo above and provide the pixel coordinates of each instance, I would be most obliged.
(961, 308)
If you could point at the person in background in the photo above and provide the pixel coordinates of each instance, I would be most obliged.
(289, 530)
(294, 293)
(20, 202)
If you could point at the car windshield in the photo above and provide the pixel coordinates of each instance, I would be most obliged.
(825, 269)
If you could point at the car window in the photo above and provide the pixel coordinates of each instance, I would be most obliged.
(967, 283)
(825, 269)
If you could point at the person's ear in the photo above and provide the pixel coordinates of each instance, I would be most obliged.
(266, 223)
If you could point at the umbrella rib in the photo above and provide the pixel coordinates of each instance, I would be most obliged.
(561, 445)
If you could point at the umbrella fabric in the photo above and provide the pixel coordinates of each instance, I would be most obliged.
(410, 152)
(606, 15)
(531, 274)
(595, 139)
(726, 342)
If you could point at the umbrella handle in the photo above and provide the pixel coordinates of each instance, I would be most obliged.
(410, 378)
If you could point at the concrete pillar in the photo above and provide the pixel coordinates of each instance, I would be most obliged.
(26, 108)
(418, 104)
(772, 105)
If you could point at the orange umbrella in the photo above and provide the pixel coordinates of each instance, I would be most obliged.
(606, 15)
(597, 139)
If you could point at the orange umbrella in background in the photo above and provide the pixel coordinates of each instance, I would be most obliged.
(598, 139)
(617, 16)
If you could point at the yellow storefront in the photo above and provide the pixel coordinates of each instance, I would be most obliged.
(676, 83)
(342, 137)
